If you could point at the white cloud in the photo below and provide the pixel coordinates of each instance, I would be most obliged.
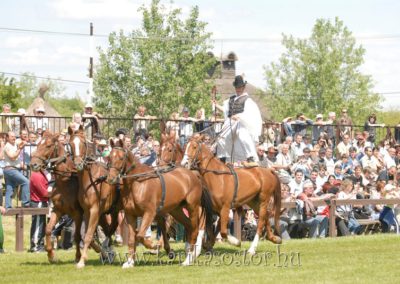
(96, 9)
(21, 41)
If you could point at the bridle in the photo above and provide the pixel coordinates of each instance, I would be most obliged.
(174, 155)
(85, 158)
(120, 171)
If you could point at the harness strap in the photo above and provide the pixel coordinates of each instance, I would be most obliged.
(236, 181)
(162, 191)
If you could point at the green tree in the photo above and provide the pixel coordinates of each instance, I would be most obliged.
(9, 92)
(163, 65)
(321, 74)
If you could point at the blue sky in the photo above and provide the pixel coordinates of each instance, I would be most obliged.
(252, 29)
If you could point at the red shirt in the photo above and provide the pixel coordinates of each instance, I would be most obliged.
(38, 187)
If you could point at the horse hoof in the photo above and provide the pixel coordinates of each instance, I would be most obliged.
(128, 264)
(171, 254)
(277, 240)
(234, 241)
(80, 265)
(53, 260)
(251, 251)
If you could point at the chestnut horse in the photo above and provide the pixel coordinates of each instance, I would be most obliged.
(252, 186)
(149, 192)
(95, 195)
(65, 193)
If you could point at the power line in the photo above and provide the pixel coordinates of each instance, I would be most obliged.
(45, 78)
(84, 82)
(6, 29)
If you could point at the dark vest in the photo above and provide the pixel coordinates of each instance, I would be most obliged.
(236, 106)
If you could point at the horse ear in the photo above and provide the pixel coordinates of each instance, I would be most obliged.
(80, 128)
(121, 142)
(54, 139)
(172, 135)
(70, 131)
(111, 141)
(164, 137)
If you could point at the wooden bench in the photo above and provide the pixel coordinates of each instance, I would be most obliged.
(370, 226)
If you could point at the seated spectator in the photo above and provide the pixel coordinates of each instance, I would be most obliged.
(262, 157)
(337, 173)
(345, 212)
(13, 172)
(283, 160)
(387, 175)
(370, 161)
(296, 185)
(317, 223)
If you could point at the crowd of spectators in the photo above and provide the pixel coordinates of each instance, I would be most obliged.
(314, 159)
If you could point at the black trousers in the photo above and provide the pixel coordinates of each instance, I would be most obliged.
(38, 227)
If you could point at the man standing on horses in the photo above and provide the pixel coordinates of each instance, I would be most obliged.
(242, 127)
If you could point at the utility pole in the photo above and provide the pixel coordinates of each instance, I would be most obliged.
(91, 44)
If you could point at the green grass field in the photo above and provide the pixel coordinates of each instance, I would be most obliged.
(361, 259)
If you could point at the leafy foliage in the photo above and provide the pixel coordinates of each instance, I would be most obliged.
(10, 92)
(321, 74)
(163, 65)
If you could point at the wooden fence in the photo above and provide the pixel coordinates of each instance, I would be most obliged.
(19, 214)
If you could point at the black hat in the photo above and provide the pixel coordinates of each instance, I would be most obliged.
(239, 82)
(123, 131)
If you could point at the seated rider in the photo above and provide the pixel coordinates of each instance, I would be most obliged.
(242, 127)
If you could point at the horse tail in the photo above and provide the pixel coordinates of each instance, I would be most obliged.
(277, 204)
(206, 204)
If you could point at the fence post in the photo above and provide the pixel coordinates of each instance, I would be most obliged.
(332, 218)
(19, 232)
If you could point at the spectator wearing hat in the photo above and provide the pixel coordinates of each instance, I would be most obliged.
(90, 120)
(39, 121)
(318, 128)
(370, 126)
(185, 127)
(141, 122)
(271, 158)
(242, 126)
(262, 157)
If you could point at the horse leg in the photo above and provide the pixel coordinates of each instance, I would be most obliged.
(92, 218)
(131, 221)
(224, 218)
(147, 218)
(195, 239)
(54, 217)
(77, 217)
(161, 222)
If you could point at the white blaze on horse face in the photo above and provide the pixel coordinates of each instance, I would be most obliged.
(43, 141)
(185, 156)
(76, 142)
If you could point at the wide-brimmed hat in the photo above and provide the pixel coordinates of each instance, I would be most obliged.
(103, 142)
(89, 105)
(40, 109)
(239, 82)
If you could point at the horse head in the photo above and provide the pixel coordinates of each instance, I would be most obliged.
(195, 152)
(46, 150)
(171, 151)
(117, 161)
(79, 147)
